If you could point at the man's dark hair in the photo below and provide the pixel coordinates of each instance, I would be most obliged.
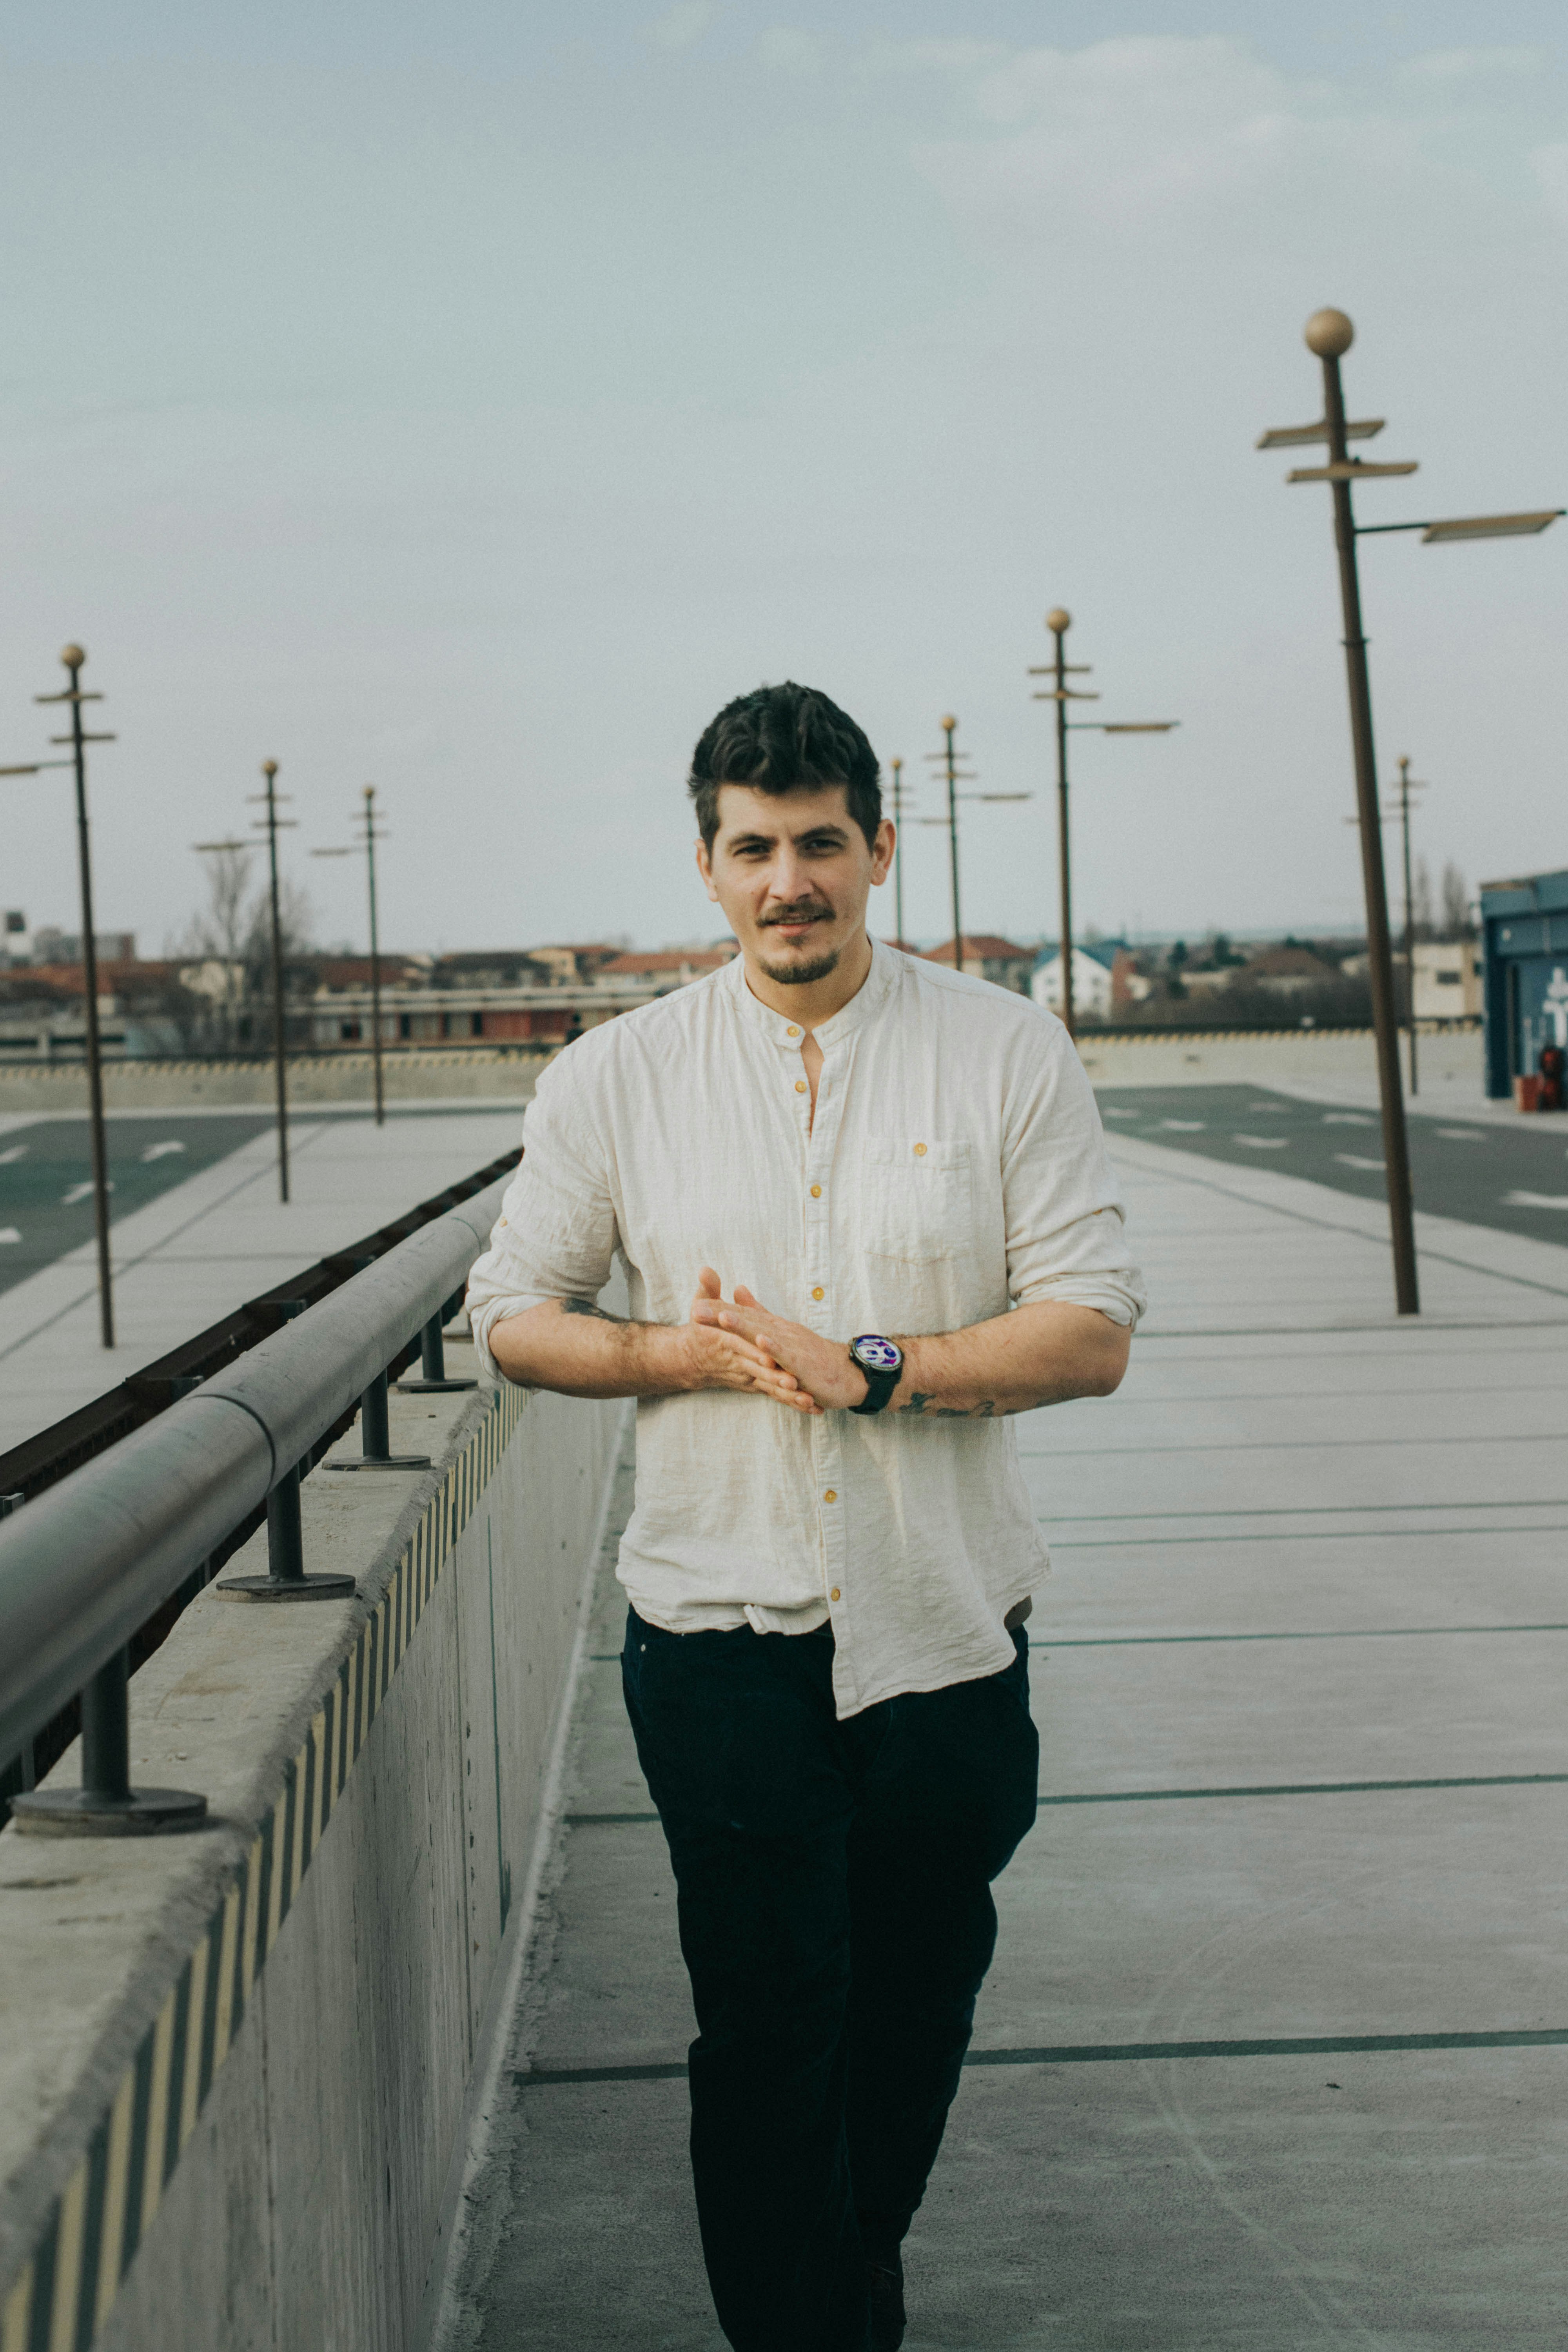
(784, 739)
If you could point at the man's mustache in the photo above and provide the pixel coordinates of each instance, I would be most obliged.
(806, 913)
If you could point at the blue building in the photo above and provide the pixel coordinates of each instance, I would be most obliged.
(1524, 935)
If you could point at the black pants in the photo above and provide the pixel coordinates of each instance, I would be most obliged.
(835, 1917)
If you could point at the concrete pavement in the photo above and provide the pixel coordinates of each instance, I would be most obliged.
(190, 1251)
(1503, 1170)
(1273, 2054)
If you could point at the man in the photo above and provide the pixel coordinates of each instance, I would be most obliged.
(886, 1184)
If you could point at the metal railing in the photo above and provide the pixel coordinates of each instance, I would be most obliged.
(89, 1561)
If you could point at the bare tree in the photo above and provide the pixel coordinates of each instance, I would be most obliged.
(1456, 903)
(217, 935)
(233, 932)
(1422, 895)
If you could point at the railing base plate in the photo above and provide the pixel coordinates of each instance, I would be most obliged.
(381, 1461)
(83, 1813)
(287, 1587)
(431, 1388)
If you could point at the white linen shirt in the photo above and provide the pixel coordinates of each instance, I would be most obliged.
(956, 1164)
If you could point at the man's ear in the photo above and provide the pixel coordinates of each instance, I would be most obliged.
(705, 867)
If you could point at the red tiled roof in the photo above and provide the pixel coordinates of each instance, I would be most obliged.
(655, 959)
(982, 947)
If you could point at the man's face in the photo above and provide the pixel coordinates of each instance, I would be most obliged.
(793, 872)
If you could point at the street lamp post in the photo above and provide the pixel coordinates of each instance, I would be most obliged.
(73, 658)
(897, 799)
(368, 842)
(272, 824)
(1059, 620)
(1405, 788)
(1328, 334)
(947, 759)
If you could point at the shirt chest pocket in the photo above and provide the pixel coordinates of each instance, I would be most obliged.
(916, 1200)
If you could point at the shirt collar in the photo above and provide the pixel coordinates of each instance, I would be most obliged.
(867, 1001)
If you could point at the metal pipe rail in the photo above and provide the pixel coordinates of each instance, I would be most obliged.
(86, 1563)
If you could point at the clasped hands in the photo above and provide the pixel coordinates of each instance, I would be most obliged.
(738, 1344)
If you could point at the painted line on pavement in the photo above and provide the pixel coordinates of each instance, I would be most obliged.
(1186, 1796)
(1335, 1633)
(1099, 2053)
(1299, 1788)
(1308, 1535)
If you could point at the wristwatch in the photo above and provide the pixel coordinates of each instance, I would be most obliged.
(882, 1361)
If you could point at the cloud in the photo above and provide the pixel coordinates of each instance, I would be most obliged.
(1468, 64)
(1550, 165)
(685, 23)
(1154, 140)
(792, 51)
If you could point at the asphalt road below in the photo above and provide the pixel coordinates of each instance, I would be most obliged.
(1514, 1179)
(45, 1176)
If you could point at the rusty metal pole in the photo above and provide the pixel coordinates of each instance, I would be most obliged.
(1329, 336)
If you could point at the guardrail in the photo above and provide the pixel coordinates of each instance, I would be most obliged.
(85, 1564)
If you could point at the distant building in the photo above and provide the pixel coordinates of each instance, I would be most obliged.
(659, 970)
(51, 946)
(1286, 970)
(1094, 984)
(1448, 980)
(1524, 951)
(999, 960)
(16, 937)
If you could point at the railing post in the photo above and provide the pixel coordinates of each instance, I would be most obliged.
(286, 1579)
(106, 1805)
(433, 1378)
(375, 1442)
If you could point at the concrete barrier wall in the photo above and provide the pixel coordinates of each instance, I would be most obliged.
(234, 2065)
(472, 1074)
(1451, 1057)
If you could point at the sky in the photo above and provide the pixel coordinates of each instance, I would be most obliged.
(472, 400)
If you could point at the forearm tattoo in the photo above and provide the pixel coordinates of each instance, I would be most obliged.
(590, 1307)
(986, 1410)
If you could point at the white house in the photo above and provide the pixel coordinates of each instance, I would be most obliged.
(1448, 980)
(1090, 980)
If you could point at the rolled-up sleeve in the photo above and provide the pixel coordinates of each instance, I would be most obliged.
(556, 1235)
(1066, 1237)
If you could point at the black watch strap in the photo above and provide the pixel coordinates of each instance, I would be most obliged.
(879, 1387)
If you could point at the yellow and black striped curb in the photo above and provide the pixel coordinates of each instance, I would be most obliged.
(90, 2234)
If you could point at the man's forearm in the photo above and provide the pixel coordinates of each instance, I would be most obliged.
(1038, 1355)
(577, 1348)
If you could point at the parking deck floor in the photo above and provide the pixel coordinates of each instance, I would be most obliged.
(1275, 2052)
(197, 1226)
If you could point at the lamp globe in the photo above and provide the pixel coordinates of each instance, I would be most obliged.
(1059, 620)
(1328, 333)
(72, 656)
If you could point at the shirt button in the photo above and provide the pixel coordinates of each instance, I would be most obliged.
(834, 1594)
(815, 1195)
(800, 1089)
(791, 1031)
(817, 1292)
(919, 1152)
(831, 1496)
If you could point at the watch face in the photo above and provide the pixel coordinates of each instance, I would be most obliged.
(875, 1354)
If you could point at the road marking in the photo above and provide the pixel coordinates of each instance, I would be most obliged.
(17, 1151)
(1349, 1160)
(1120, 1114)
(1462, 1134)
(1262, 1142)
(160, 1152)
(10, 1233)
(1535, 1199)
(79, 1192)
(1184, 1126)
(1347, 1119)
